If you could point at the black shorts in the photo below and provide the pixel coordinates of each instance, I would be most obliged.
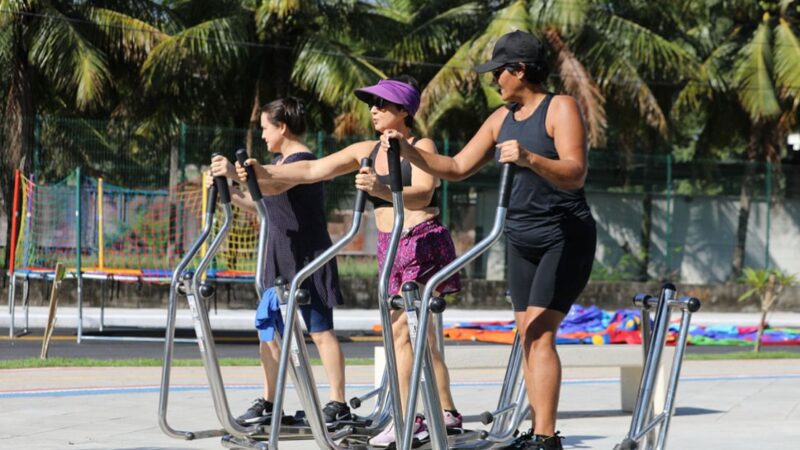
(552, 277)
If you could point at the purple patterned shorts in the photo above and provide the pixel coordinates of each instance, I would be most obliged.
(421, 252)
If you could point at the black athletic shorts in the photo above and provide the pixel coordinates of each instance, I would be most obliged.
(552, 277)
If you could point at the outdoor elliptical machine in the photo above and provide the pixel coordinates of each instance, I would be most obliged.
(353, 436)
(642, 433)
(512, 405)
(189, 283)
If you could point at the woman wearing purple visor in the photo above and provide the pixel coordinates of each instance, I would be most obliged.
(426, 245)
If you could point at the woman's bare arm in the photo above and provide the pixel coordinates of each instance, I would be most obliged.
(419, 194)
(469, 160)
(565, 124)
(275, 179)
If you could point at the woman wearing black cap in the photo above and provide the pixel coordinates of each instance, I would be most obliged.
(549, 228)
(426, 245)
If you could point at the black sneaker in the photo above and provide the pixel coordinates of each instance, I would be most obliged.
(523, 442)
(259, 413)
(336, 412)
(548, 442)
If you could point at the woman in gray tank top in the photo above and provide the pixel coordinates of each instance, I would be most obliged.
(549, 228)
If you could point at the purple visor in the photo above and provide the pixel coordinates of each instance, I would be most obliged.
(397, 92)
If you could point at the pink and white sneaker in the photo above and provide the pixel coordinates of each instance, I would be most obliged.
(453, 421)
(387, 437)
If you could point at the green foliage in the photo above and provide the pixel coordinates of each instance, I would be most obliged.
(627, 268)
(758, 280)
(357, 266)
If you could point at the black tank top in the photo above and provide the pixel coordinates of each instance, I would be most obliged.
(538, 210)
(405, 171)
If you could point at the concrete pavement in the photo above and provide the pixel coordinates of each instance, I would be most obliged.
(720, 405)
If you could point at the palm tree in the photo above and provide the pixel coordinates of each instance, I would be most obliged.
(600, 52)
(257, 50)
(605, 54)
(64, 55)
(750, 55)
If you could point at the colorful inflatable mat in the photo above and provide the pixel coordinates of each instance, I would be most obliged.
(592, 325)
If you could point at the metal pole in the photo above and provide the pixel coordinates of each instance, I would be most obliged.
(668, 247)
(768, 196)
(78, 273)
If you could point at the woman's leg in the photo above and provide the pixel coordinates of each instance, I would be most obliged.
(270, 355)
(440, 369)
(403, 353)
(332, 360)
(405, 360)
(542, 365)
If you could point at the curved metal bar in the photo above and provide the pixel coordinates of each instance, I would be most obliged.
(205, 337)
(424, 314)
(294, 345)
(169, 339)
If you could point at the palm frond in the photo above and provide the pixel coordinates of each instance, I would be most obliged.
(566, 16)
(656, 55)
(787, 60)
(131, 37)
(753, 78)
(12, 10)
(578, 82)
(214, 45)
(284, 8)
(711, 78)
(330, 72)
(457, 71)
(434, 36)
(452, 101)
(68, 60)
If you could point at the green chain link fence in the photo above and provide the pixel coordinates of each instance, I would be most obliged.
(126, 155)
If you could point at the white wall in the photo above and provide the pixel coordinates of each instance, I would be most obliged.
(702, 234)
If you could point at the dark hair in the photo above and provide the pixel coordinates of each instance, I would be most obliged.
(288, 110)
(407, 79)
(535, 71)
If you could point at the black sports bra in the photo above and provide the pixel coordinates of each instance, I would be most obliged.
(405, 171)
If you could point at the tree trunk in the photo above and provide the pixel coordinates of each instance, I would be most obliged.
(745, 193)
(19, 118)
(766, 302)
(741, 230)
(645, 232)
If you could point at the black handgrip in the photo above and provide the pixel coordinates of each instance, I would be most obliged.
(224, 192)
(222, 186)
(506, 178)
(211, 203)
(395, 173)
(361, 196)
(252, 182)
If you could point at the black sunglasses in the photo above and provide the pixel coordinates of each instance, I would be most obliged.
(380, 103)
(499, 71)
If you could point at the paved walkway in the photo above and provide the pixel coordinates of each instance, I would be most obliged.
(721, 405)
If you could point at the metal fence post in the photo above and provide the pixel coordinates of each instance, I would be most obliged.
(320, 143)
(37, 145)
(182, 153)
(668, 246)
(768, 198)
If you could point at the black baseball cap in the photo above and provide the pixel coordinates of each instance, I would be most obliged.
(517, 46)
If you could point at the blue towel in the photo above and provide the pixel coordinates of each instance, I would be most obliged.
(268, 315)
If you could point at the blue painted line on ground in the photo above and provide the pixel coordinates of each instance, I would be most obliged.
(155, 389)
